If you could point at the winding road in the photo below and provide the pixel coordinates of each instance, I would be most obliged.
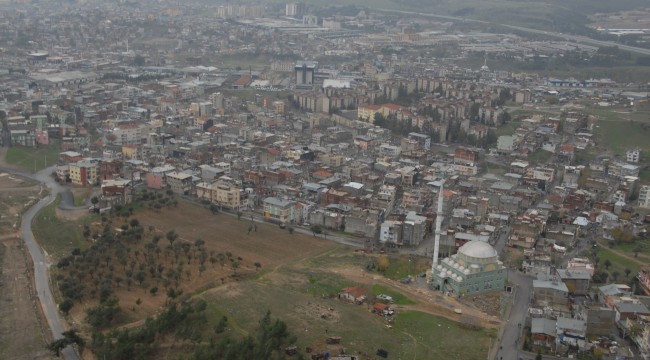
(41, 266)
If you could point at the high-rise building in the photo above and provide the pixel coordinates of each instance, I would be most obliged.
(644, 196)
(296, 10)
(305, 71)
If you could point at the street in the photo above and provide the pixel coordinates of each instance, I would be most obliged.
(41, 265)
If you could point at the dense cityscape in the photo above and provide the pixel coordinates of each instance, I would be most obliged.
(295, 180)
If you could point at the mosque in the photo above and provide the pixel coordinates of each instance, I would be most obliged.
(473, 270)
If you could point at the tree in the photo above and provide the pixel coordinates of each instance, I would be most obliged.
(637, 249)
(138, 60)
(234, 265)
(94, 200)
(316, 229)
(383, 263)
(221, 325)
(171, 237)
(257, 265)
(615, 275)
(627, 272)
(66, 305)
(153, 290)
(70, 337)
(140, 277)
(607, 264)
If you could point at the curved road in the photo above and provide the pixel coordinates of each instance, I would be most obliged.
(41, 266)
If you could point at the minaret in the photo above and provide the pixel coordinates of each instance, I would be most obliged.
(436, 243)
(485, 67)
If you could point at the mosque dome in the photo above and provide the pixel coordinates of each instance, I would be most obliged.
(478, 250)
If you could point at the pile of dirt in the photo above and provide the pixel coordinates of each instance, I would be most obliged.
(489, 303)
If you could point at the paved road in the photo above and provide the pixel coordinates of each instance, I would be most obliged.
(509, 342)
(41, 266)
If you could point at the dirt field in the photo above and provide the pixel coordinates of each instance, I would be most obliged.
(21, 333)
(270, 245)
(15, 194)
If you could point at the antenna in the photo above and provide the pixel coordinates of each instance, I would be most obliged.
(436, 244)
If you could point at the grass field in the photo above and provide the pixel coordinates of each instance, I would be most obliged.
(508, 128)
(403, 266)
(619, 136)
(540, 156)
(398, 297)
(437, 338)
(33, 159)
(57, 236)
(644, 175)
(313, 318)
(619, 263)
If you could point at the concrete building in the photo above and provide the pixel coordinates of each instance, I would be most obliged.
(550, 292)
(305, 71)
(423, 140)
(83, 172)
(279, 210)
(295, 10)
(474, 269)
(577, 281)
(633, 156)
(179, 183)
(644, 196)
(223, 193)
(156, 177)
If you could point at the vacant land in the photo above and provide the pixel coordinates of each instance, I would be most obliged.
(620, 135)
(21, 335)
(620, 261)
(508, 128)
(58, 237)
(15, 195)
(33, 159)
(540, 156)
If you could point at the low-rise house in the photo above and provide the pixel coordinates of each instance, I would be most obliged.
(354, 294)
(156, 177)
(630, 310)
(577, 281)
(117, 191)
(550, 292)
(543, 332)
(67, 157)
(571, 332)
(564, 235)
(608, 294)
(644, 279)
